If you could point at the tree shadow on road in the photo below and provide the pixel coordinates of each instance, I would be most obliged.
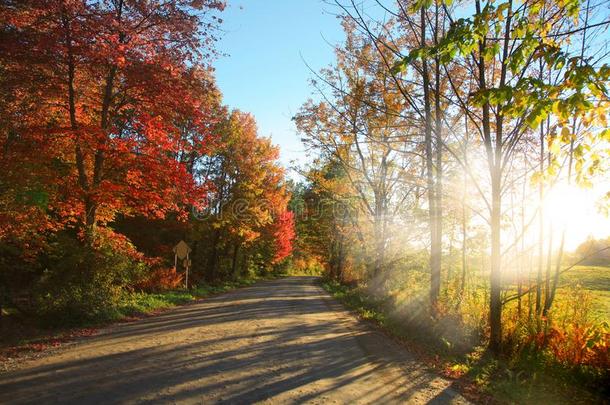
(270, 348)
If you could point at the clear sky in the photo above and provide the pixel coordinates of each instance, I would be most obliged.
(268, 43)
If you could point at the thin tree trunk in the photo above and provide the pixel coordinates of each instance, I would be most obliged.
(551, 297)
(463, 276)
(89, 214)
(213, 257)
(105, 123)
(522, 265)
(438, 136)
(435, 262)
(547, 280)
(234, 261)
(495, 303)
(464, 220)
(540, 225)
(494, 158)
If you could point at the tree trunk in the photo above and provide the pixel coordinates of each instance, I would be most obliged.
(435, 262)
(464, 219)
(547, 280)
(522, 265)
(495, 303)
(540, 224)
(83, 180)
(234, 261)
(438, 150)
(213, 257)
(463, 275)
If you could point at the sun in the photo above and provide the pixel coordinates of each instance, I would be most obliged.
(575, 209)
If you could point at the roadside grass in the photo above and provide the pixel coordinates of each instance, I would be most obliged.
(140, 303)
(481, 376)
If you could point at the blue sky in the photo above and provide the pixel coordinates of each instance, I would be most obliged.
(267, 43)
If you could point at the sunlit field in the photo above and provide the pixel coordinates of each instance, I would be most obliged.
(595, 280)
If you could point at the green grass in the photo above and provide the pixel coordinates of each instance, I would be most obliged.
(143, 303)
(355, 300)
(596, 280)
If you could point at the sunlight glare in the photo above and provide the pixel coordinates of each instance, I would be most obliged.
(574, 208)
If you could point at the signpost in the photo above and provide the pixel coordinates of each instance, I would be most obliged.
(181, 251)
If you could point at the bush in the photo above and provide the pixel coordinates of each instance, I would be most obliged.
(161, 279)
(82, 283)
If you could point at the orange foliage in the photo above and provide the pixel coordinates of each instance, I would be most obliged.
(284, 235)
(162, 279)
(101, 106)
(577, 345)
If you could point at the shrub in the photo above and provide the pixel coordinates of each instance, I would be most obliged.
(81, 283)
(161, 279)
(567, 339)
(579, 345)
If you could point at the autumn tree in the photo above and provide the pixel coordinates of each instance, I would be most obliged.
(492, 98)
(504, 47)
(327, 219)
(113, 79)
(246, 211)
(105, 106)
(360, 126)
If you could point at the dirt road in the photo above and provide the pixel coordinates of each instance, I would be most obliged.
(282, 341)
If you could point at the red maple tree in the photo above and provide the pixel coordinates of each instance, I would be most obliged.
(101, 93)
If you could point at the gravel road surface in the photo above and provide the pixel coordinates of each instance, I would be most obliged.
(280, 341)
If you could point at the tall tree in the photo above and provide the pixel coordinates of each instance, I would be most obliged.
(360, 127)
(247, 207)
(112, 78)
(503, 45)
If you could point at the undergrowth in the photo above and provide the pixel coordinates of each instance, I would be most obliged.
(529, 378)
(18, 330)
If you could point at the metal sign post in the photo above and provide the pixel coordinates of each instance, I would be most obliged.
(187, 266)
